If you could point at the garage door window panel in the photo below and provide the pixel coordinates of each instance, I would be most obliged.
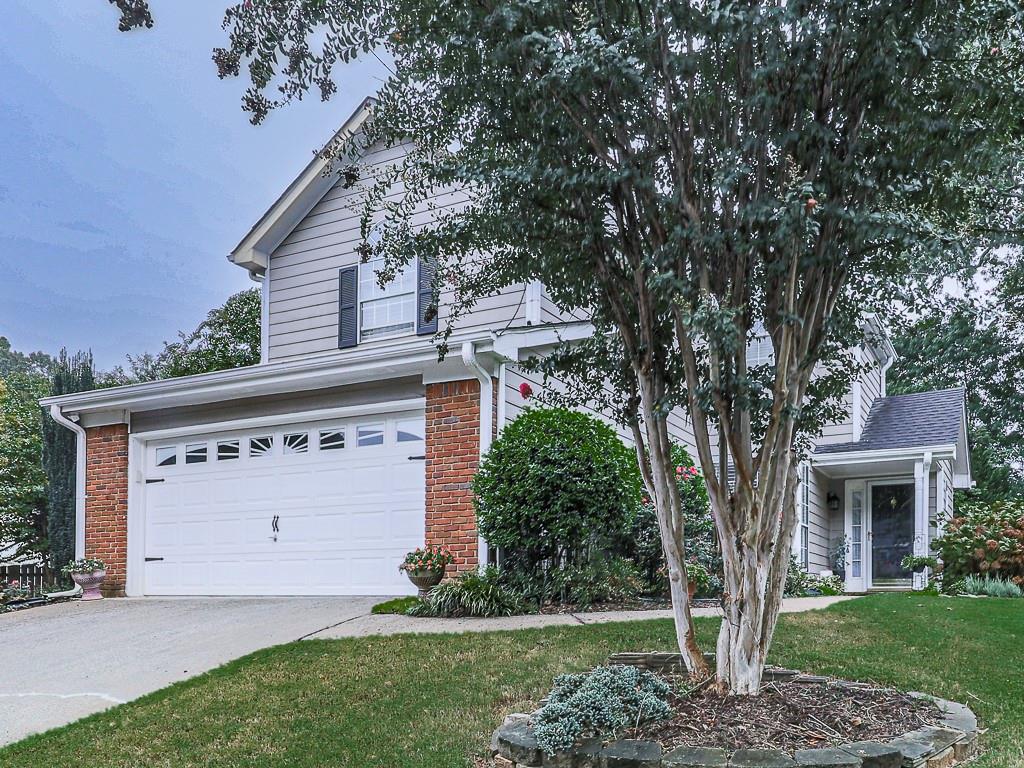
(261, 446)
(167, 456)
(195, 453)
(228, 450)
(332, 439)
(296, 442)
(409, 431)
(370, 434)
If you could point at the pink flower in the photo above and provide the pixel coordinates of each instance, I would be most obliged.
(525, 390)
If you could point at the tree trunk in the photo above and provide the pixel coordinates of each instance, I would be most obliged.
(661, 482)
(755, 578)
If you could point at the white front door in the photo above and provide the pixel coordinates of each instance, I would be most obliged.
(325, 508)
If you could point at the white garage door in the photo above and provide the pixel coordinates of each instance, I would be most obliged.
(324, 508)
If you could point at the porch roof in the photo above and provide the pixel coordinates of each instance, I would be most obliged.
(901, 426)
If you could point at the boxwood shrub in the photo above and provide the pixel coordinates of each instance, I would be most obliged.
(557, 486)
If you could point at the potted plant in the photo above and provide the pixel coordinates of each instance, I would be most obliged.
(87, 573)
(425, 567)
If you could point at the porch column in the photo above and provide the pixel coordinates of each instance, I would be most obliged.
(922, 473)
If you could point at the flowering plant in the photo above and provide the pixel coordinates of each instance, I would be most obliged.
(83, 565)
(434, 559)
(13, 591)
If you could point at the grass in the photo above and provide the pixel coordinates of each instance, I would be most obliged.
(396, 605)
(433, 700)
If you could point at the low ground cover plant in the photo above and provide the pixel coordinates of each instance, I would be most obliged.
(989, 586)
(395, 605)
(799, 583)
(600, 703)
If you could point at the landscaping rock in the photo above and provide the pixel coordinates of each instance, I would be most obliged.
(761, 758)
(938, 739)
(515, 717)
(696, 757)
(914, 752)
(826, 758)
(631, 753)
(874, 754)
(944, 759)
(503, 762)
(517, 743)
(586, 754)
(967, 747)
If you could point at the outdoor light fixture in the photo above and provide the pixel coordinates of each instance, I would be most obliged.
(833, 502)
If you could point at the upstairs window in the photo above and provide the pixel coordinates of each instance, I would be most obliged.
(388, 311)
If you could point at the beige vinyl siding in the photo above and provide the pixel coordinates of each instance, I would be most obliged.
(679, 427)
(302, 277)
(819, 531)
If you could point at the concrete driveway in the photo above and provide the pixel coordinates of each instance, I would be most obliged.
(65, 661)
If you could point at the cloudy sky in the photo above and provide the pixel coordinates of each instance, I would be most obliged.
(128, 171)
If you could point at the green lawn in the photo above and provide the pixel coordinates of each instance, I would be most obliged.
(433, 700)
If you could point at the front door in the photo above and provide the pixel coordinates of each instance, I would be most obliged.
(892, 533)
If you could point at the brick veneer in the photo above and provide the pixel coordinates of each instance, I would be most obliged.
(453, 453)
(106, 502)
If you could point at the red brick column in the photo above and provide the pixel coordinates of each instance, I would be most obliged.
(106, 502)
(453, 453)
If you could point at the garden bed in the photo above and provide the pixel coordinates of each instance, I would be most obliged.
(797, 720)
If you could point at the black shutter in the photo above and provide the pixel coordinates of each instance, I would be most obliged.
(426, 303)
(348, 306)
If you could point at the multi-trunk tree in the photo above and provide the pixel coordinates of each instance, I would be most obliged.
(688, 175)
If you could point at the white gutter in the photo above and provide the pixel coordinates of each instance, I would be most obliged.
(60, 418)
(486, 420)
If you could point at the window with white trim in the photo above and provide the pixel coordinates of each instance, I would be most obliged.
(804, 490)
(387, 311)
(759, 348)
(856, 533)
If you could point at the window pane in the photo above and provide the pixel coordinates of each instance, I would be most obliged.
(372, 434)
(195, 454)
(296, 443)
(409, 431)
(167, 456)
(389, 310)
(332, 439)
(227, 450)
(261, 446)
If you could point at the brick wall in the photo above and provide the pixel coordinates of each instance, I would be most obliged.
(106, 502)
(453, 453)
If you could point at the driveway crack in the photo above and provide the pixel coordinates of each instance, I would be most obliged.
(330, 626)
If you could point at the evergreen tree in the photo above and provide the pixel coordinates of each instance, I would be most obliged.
(70, 373)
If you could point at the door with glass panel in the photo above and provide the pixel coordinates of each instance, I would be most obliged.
(892, 533)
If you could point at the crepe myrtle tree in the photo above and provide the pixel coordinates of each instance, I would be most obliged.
(687, 175)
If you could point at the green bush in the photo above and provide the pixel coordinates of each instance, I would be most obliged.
(473, 593)
(600, 580)
(984, 539)
(395, 605)
(993, 587)
(799, 583)
(556, 487)
(602, 703)
(642, 539)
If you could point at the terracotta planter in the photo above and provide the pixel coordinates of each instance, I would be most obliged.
(425, 581)
(691, 588)
(90, 584)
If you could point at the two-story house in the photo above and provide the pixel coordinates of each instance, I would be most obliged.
(315, 471)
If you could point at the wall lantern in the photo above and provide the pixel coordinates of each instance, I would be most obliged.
(833, 502)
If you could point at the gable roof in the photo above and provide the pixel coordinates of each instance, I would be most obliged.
(918, 420)
(253, 252)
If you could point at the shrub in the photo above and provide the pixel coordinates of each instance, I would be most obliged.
(993, 587)
(600, 580)
(13, 591)
(472, 594)
(601, 703)
(799, 583)
(555, 487)
(642, 539)
(984, 539)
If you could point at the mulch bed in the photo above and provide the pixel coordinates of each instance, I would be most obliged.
(788, 716)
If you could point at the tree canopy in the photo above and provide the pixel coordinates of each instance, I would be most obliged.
(688, 176)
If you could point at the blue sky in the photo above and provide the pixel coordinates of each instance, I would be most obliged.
(128, 171)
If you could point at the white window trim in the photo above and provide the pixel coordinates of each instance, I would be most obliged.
(804, 520)
(414, 266)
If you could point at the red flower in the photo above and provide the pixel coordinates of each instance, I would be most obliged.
(525, 390)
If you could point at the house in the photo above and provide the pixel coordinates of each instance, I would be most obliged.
(349, 444)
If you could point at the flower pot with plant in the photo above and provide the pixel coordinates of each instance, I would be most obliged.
(87, 573)
(425, 567)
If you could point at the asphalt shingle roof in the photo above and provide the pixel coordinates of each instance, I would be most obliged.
(908, 421)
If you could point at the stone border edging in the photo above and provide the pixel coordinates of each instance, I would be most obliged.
(513, 745)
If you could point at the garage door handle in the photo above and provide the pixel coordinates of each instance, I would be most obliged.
(417, 458)
(153, 559)
(154, 480)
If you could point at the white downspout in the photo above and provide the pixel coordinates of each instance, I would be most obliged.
(64, 421)
(486, 420)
